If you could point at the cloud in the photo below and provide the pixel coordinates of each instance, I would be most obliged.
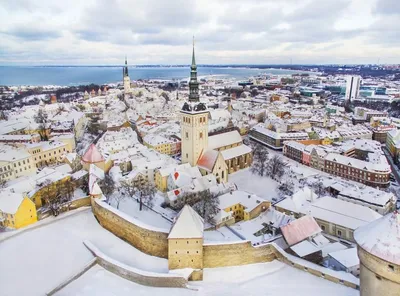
(227, 31)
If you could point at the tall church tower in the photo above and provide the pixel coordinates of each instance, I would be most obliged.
(194, 121)
(126, 79)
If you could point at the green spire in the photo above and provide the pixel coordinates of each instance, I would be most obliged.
(193, 57)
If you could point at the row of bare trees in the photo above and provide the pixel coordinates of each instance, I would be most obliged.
(205, 203)
(264, 165)
(56, 194)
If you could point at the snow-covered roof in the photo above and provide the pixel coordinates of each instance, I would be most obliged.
(188, 224)
(92, 155)
(235, 151)
(95, 189)
(347, 257)
(224, 139)
(96, 171)
(10, 201)
(164, 172)
(341, 212)
(295, 203)
(381, 237)
(247, 200)
(367, 194)
(208, 160)
(380, 167)
(300, 229)
(304, 248)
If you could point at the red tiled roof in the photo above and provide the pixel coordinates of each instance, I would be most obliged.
(300, 229)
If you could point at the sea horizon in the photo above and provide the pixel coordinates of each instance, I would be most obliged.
(83, 75)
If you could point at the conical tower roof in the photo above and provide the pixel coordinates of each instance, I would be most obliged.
(92, 155)
(381, 237)
(187, 225)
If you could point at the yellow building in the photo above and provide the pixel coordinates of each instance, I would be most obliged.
(38, 194)
(16, 210)
(161, 175)
(15, 163)
(241, 205)
(158, 143)
(393, 144)
(185, 241)
(47, 152)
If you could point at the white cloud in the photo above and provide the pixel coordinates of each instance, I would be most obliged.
(227, 31)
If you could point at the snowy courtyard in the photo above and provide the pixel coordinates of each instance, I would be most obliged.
(271, 279)
(131, 207)
(43, 257)
(264, 187)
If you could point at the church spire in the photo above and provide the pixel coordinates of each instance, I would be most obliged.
(125, 71)
(193, 83)
(193, 57)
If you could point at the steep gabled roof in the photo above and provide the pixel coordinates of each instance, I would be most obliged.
(188, 224)
(92, 155)
(208, 159)
(300, 229)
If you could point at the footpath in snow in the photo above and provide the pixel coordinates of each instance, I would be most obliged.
(271, 279)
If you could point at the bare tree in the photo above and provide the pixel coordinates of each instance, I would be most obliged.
(319, 188)
(260, 160)
(107, 185)
(50, 196)
(276, 167)
(208, 206)
(286, 187)
(3, 183)
(41, 118)
(146, 192)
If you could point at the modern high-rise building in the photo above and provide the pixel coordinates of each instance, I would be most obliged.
(353, 87)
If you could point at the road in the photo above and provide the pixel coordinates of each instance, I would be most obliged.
(395, 169)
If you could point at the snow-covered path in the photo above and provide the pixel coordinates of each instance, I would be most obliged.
(271, 279)
(36, 261)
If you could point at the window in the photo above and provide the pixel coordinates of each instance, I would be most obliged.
(186, 135)
(391, 267)
(201, 135)
(323, 227)
(187, 242)
(339, 233)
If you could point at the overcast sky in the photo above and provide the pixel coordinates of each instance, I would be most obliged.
(92, 32)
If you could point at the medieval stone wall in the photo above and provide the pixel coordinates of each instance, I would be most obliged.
(149, 240)
(231, 254)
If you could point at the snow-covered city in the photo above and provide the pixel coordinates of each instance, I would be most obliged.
(283, 182)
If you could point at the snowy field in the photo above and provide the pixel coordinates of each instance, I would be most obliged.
(245, 180)
(131, 207)
(37, 260)
(267, 279)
